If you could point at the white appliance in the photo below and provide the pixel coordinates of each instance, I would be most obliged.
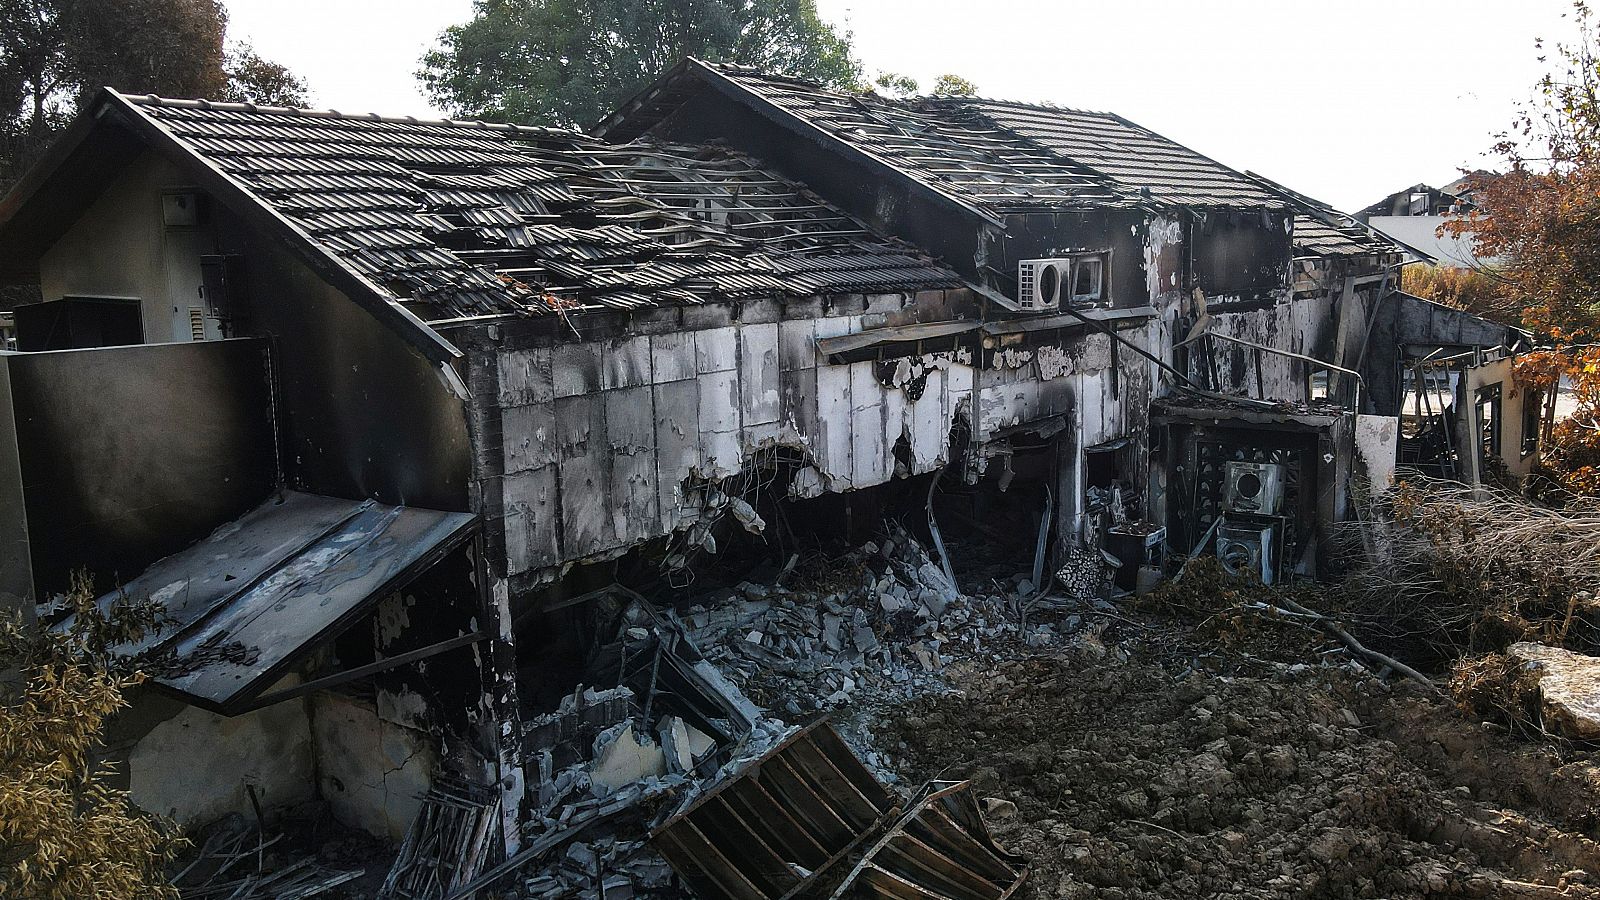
(1041, 284)
(1253, 488)
(1247, 548)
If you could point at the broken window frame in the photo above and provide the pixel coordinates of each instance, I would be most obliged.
(1532, 420)
(1098, 296)
(1490, 428)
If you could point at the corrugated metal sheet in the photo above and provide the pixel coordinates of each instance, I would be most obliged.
(773, 829)
(806, 819)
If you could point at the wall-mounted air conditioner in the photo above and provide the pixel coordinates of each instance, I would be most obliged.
(1041, 283)
(1253, 488)
(1248, 549)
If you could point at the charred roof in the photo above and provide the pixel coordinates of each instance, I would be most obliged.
(1321, 230)
(460, 219)
(995, 157)
(478, 219)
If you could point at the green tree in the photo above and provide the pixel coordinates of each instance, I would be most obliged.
(903, 87)
(54, 53)
(167, 47)
(954, 86)
(1540, 220)
(65, 833)
(570, 62)
(34, 82)
(896, 86)
(252, 79)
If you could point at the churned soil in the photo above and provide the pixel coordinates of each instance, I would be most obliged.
(1139, 778)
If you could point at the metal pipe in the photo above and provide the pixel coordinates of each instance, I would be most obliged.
(933, 529)
(1044, 536)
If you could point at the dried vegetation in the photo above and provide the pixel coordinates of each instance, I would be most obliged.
(1455, 571)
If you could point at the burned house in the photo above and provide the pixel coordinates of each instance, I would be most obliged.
(377, 406)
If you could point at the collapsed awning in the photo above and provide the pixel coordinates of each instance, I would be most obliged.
(261, 592)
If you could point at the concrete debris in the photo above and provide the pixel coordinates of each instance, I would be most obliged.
(1568, 688)
(704, 692)
(1083, 574)
(622, 758)
(888, 634)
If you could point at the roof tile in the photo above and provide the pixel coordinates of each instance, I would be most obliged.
(476, 219)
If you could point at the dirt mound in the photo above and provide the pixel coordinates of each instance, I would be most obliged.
(1131, 782)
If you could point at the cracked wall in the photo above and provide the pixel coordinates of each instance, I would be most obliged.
(371, 770)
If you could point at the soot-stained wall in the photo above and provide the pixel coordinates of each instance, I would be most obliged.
(127, 454)
(363, 413)
(589, 446)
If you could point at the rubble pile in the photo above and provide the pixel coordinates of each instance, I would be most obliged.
(1305, 783)
(704, 689)
(884, 629)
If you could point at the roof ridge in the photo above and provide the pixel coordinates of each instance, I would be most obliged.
(154, 100)
(1047, 105)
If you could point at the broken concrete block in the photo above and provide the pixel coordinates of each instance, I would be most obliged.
(1569, 688)
(999, 810)
(806, 483)
(747, 516)
(624, 759)
(675, 746)
(932, 577)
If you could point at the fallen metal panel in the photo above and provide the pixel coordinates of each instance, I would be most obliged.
(273, 583)
(939, 848)
(786, 824)
(774, 828)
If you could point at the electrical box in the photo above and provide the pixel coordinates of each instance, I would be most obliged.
(1253, 488)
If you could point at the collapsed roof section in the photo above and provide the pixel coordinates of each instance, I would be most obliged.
(993, 157)
(478, 219)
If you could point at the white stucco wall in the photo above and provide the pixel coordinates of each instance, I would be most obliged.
(599, 437)
(120, 248)
(371, 771)
(196, 766)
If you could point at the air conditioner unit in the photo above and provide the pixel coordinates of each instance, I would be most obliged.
(1248, 549)
(1041, 284)
(1253, 488)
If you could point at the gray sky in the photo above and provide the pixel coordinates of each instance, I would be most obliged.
(1346, 101)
